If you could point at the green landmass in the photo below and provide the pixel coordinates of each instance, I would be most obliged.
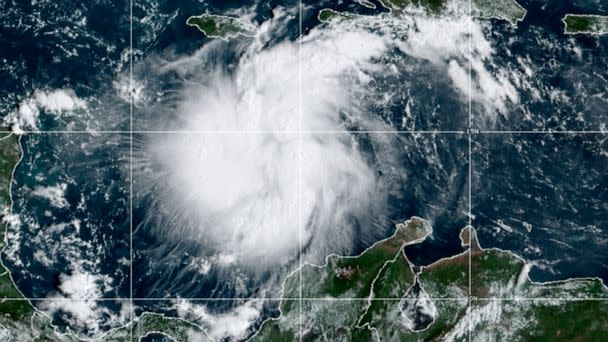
(434, 6)
(326, 15)
(19, 320)
(14, 313)
(174, 328)
(508, 10)
(219, 26)
(585, 24)
(177, 329)
(381, 271)
(362, 298)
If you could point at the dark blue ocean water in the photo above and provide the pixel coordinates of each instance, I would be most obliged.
(96, 195)
(57, 44)
(556, 183)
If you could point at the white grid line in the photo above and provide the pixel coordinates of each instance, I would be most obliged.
(319, 299)
(470, 168)
(548, 132)
(301, 146)
(470, 131)
(131, 101)
(294, 132)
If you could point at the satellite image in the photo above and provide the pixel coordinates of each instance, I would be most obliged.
(334, 170)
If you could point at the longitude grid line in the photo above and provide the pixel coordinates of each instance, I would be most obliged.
(301, 186)
(470, 165)
(131, 308)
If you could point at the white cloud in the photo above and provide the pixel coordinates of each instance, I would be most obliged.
(54, 194)
(58, 100)
(26, 116)
(458, 44)
(54, 102)
(246, 195)
(202, 265)
(76, 303)
(80, 285)
(82, 280)
(459, 76)
(75, 289)
(41, 257)
(5, 334)
(128, 90)
(233, 324)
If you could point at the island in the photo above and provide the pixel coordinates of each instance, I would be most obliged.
(433, 6)
(219, 26)
(327, 14)
(507, 10)
(585, 24)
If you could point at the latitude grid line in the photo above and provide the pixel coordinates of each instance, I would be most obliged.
(131, 102)
(319, 299)
(469, 132)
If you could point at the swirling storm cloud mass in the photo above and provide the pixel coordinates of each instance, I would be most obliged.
(259, 165)
(285, 154)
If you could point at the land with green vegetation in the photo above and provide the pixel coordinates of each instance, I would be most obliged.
(365, 297)
(381, 271)
(173, 328)
(326, 15)
(585, 24)
(508, 10)
(19, 320)
(219, 26)
(434, 6)
(15, 314)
